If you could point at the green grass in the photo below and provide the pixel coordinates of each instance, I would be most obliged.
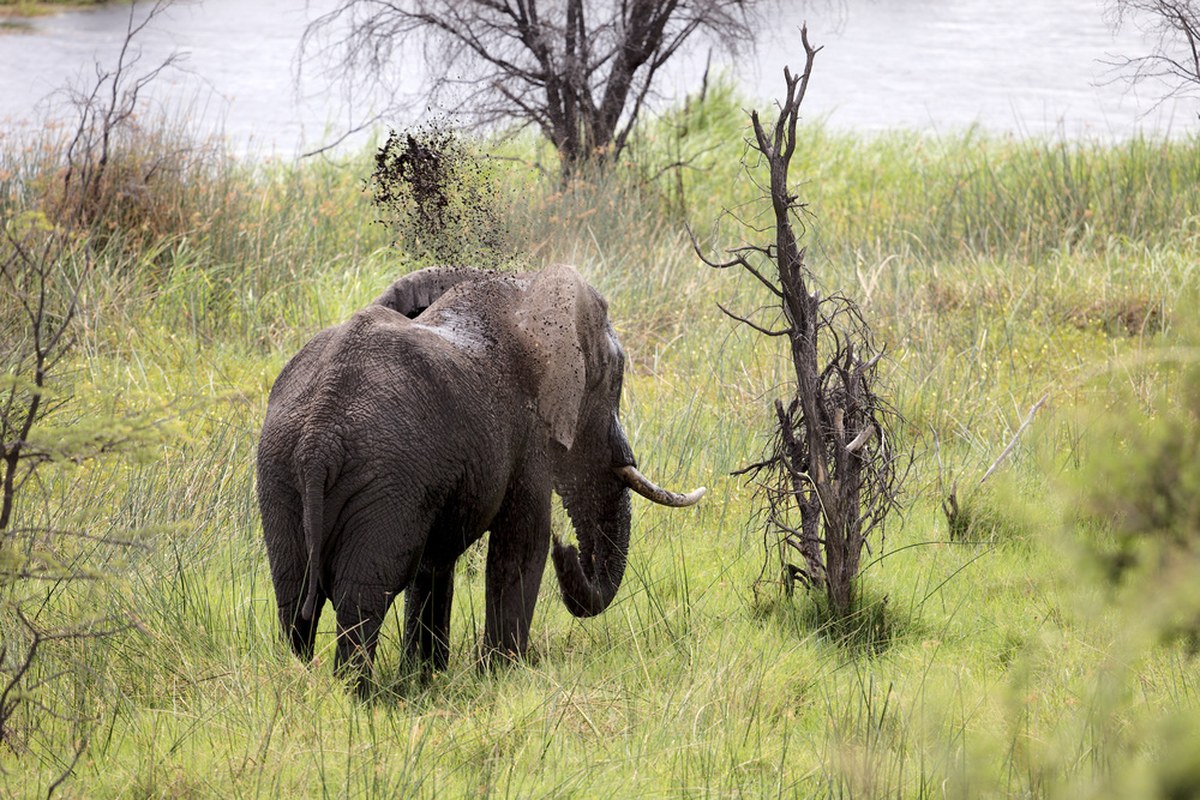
(994, 271)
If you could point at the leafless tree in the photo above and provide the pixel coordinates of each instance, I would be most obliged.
(108, 111)
(580, 70)
(833, 458)
(1174, 58)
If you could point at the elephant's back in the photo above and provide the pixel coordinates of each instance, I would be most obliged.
(350, 363)
(385, 396)
(380, 378)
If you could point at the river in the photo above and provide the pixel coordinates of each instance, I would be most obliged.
(1019, 67)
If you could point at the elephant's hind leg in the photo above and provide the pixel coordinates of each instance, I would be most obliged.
(358, 627)
(301, 632)
(289, 568)
(372, 565)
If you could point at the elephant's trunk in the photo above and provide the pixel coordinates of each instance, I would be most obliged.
(590, 575)
(599, 510)
(597, 501)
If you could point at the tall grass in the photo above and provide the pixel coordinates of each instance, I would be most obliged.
(993, 270)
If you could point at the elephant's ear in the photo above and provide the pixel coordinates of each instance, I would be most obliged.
(549, 321)
(417, 291)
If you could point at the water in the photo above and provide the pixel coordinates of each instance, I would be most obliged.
(1022, 67)
(236, 74)
(1027, 67)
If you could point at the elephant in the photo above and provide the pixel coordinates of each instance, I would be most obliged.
(453, 405)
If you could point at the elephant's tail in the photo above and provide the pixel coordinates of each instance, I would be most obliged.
(314, 522)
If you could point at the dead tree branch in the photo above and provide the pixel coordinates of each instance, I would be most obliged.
(958, 519)
(834, 460)
(1174, 57)
(1013, 441)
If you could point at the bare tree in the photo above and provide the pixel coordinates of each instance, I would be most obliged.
(581, 71)
(1174, 58)
(833, 458)
(106, 111)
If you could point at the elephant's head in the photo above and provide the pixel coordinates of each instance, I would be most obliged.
(580, 371)
(575, 368)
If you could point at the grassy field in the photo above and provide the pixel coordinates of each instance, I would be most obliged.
(1048, 653)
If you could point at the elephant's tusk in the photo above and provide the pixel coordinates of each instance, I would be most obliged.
(635, 480)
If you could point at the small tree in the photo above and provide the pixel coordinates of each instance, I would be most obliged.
(48, 254)
(832, 458)
(580, 71)
(40, 282)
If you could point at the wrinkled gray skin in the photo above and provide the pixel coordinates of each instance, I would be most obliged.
(451, 406)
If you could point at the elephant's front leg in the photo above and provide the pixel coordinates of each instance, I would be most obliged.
(517, 550)
(427, 616)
